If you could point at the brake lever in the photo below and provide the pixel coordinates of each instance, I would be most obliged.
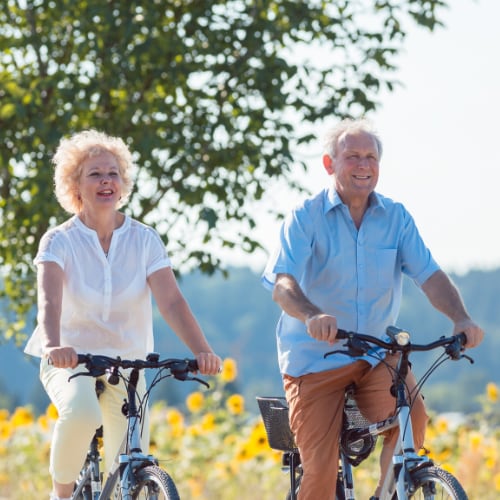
(184, 375)
(201, 381)
(455, 349)
(355, 348)
(93, 371)
(468, 358)
(347, 353)
(80, 374)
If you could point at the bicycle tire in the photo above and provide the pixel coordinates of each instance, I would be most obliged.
(153, 483)
(435, 483)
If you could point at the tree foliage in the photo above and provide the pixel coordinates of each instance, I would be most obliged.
(210, 95)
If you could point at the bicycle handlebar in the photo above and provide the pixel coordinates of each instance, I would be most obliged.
(358, 344)
(98, 365)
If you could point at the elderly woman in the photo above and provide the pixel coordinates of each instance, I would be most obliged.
(96, 274)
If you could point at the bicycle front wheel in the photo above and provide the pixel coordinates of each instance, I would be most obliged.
(154, 483)
(433, 483)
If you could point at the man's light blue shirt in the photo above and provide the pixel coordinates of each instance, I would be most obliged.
(353, 274)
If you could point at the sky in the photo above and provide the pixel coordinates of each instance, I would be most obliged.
(441, 139)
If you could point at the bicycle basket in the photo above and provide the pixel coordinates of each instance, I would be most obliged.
(356, 447)
(274, 411)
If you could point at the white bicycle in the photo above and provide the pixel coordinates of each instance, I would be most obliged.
(134, 475)
(412, 476)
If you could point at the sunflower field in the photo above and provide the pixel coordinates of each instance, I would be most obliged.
(216, 449)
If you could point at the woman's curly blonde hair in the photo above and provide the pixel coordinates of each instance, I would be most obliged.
(69, 156)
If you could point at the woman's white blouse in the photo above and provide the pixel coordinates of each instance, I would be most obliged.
(106, 303)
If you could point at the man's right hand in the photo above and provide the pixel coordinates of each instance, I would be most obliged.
(322, 327)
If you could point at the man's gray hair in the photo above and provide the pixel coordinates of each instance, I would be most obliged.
(331, 141)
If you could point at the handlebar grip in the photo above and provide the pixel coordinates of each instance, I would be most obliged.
(82, 358)
(193, 365)
(462, 338)
(342, 334)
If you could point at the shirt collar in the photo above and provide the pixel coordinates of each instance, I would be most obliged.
(332, 200)
(86, 229)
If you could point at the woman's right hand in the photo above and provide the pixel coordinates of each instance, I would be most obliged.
(62, 357)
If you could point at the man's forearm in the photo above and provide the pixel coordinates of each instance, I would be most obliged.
(290, 297)
(445, 296)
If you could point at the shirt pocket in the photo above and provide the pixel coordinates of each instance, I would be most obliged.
(386, 267)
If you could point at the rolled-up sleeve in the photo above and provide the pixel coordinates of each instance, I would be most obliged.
(51, 249)
(292, 253)
(416, 259)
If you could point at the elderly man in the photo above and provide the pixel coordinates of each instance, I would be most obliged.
(340, 264)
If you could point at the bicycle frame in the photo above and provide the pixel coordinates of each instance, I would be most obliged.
(409, 471)
(131, 456)
(131, 467)
(405, 457)
(91, 471)
(355, 434)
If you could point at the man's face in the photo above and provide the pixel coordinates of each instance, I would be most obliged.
(356, 166)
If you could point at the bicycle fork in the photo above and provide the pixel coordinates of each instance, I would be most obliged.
(404, 459)
(129, 462)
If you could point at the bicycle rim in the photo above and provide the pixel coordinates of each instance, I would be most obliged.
(433, 483)
(153, 483)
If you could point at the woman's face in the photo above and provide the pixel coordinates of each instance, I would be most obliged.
(100, 183)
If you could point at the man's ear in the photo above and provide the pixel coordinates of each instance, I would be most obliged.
(328, 164)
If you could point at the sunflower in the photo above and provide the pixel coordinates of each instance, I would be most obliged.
(229, 370)
(235, 404)
(195, 401)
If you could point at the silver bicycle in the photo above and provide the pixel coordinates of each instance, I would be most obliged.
(134, 475)
(412, 476)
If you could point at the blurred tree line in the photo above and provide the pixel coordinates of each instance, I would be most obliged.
(239, 317)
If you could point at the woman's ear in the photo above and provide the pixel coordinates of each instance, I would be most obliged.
(328, 164)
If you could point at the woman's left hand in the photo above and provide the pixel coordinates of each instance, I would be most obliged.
(209, 363)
